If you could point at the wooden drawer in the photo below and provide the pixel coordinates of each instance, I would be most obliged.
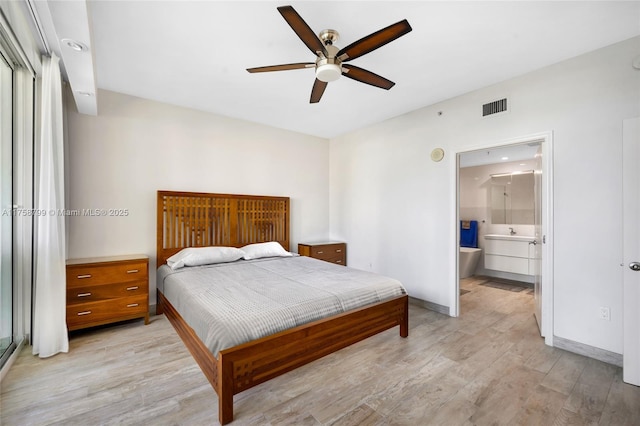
(330, 252)
(334, 259)
(85, 275)
(327, 251)
(106, 291)
(88, 314)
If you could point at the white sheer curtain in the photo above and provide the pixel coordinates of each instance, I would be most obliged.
(49, 327)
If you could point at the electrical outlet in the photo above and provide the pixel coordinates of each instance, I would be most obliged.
(604, 313)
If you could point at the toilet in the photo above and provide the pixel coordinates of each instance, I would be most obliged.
(469, 251)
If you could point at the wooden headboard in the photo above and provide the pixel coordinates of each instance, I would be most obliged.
(197, 219)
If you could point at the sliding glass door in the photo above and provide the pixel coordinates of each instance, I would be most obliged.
(6, 208)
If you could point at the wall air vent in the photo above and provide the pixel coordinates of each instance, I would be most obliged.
(494, 107)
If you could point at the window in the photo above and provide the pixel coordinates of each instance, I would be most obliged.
(6, 202)
(17, 79)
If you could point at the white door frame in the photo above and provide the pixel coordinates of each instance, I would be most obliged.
(631, 249)
(547, 225)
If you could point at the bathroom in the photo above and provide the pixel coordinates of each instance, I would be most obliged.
(498, 210)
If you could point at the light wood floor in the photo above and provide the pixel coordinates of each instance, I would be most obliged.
(487, 367)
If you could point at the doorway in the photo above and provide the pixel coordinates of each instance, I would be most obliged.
(525, 161)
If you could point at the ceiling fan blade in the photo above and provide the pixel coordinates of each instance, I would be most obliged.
(302, 29)
(283, 67)
(317, 91)
(374, 41)
(367, 77)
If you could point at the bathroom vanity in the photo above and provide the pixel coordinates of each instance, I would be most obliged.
(510, 253)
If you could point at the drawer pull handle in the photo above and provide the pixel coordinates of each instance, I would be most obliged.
(320, 252)
(84, 294)
(84, 313)
(80, 277)
(338, 261)
(132, 288)
(133, 271)
(338, 250)
(132, 305)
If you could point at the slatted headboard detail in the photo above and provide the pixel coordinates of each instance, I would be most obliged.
(196, 219)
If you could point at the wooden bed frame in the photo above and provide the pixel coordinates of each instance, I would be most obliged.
(188, 219)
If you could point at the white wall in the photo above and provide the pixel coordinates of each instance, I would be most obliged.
(396, 208)
(135, 147)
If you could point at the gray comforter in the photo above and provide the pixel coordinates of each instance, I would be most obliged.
(231, 303)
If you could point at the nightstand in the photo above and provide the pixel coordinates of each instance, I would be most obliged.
(102, 290)
(334, 252)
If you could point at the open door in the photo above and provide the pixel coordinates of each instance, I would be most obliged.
(631, 251)
(535, 248)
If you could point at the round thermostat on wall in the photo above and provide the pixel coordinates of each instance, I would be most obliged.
(437, 154)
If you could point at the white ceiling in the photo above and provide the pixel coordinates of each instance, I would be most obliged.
(194, 54)
(518, 152)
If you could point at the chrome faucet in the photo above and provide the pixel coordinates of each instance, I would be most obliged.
(511, 231)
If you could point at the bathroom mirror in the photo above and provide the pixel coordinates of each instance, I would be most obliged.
(512, 198)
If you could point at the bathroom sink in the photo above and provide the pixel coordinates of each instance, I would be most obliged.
(509, 237)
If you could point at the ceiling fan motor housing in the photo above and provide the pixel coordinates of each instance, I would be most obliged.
(329, 69)
(329, 36)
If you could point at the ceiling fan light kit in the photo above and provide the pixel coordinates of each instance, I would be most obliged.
(328, 72)
(329, 62)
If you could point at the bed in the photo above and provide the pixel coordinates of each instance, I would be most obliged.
(187, 219)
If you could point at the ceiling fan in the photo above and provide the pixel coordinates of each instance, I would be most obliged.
(330, 61)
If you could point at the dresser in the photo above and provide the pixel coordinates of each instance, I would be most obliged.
(102, 290)
(334, 252)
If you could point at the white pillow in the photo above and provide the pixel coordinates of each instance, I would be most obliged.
(194, 256)
(258, 250)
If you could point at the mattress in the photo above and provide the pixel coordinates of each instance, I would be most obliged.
(232, 303)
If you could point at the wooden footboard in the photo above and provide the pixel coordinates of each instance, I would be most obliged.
(244, 366)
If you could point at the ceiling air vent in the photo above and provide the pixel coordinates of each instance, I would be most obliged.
(494, 107)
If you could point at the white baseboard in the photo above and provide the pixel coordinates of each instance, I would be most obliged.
(429, 305)
(588, 351)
